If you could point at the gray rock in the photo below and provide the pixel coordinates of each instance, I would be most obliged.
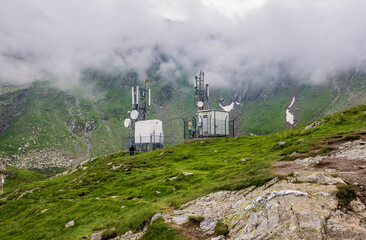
(156, 216)
(221, 237)
(279, 209)
(208, 225)
(69, 224)
(96, 236)
(187, 173)
(281, 144)
(180, 219)
(312, 125)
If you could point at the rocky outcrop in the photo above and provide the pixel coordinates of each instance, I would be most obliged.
(301, 207)
(41, 159)
(11, 106)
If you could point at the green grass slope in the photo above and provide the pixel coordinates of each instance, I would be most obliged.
(125, 192)
(57, 120)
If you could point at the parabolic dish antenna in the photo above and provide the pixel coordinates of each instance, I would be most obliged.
(127, 122)
(134, 114)
(199, 104)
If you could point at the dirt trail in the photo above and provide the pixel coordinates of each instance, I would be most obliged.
(347, 161)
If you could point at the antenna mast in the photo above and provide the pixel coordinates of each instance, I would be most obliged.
(202, 92)
(141, 98)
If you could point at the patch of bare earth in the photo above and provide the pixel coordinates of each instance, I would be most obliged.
(347, 160)
(192, 231)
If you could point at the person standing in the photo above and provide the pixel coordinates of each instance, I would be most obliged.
(132, 150)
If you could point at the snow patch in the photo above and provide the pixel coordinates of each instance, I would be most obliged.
(289, 116)
(228, 108)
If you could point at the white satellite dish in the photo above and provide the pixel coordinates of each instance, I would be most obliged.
(199, 104)
(134, 114)
(127, 122)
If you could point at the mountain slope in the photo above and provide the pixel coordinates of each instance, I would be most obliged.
(125, 192)
(42, 126)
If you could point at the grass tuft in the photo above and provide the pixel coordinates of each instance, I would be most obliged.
(346, 194)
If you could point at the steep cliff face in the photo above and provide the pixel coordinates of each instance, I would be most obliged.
(12, 105)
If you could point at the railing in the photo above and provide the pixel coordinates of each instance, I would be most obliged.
(146, 143)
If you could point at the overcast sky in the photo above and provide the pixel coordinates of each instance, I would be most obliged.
(232, 40)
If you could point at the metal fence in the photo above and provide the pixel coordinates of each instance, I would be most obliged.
(146, 143)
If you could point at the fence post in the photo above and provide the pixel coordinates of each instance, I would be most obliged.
(225, 126)
(215, 123)
(151, 142)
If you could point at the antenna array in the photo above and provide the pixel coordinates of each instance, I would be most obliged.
(202, 92)
(141, 98)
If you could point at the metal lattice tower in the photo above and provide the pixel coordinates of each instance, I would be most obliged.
(201, 91)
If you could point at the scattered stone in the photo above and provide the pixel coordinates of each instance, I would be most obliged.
(252, 134)
(173, 178)
(312, 125)
(155, 217)
(243, 160)
(96, 236)
(115, 167)
(132, 236)
(69, 224)
(281, 144)
(161, 153)
(45, 210)
(123, 207)
(114, 197)
(215, 150)
(157, 192)
(187, 173)
(221, 237)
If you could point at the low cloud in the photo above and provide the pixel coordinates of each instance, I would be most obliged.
(301, 40)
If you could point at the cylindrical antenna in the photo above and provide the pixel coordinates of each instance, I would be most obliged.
(207, 91)
(195, 82)
(133, 96)
(149, 96)
(137, 95)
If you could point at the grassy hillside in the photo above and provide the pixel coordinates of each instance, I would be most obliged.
(123, 192)
(87, 121)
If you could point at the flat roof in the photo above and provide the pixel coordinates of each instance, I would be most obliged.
(210, 110)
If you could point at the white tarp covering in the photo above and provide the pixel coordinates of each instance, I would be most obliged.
(149, 131)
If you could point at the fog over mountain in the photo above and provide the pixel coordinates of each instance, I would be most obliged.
(231, 40)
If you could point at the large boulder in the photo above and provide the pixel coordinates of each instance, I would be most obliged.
(300, 207)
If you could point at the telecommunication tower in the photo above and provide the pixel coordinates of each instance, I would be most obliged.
(202, 92)
(144, 134)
